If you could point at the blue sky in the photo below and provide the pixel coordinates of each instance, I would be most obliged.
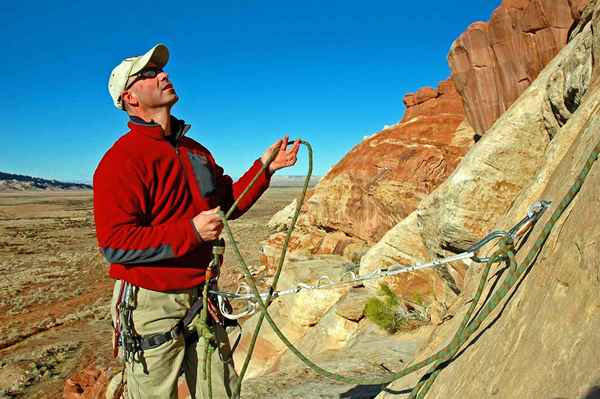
(246, 72)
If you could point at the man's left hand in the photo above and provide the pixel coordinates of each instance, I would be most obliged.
(285, 157)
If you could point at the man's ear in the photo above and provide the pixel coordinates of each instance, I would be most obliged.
(129, 97)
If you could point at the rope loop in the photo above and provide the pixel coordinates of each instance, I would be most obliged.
(249, 310)
(345, 279)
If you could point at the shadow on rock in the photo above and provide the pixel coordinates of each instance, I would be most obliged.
(594, 393)
(371, 391)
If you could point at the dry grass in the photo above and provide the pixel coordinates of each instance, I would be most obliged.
(54, 308)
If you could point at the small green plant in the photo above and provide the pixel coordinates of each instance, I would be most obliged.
(385, 312)
(388, 295)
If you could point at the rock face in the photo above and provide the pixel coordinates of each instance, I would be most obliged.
(502, 163)
(296, 313)
(282, 219)
(493, 63)
(542, 340)
(89, 383)
(533, 151)
(398, 191)
(403, 244)
(428, 101)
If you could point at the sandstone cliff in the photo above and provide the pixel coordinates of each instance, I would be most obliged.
(543, 342)
(493, 63)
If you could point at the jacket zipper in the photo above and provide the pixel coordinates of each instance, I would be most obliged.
(185, 175)
(183, 170)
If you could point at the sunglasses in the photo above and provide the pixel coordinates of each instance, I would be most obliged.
(147, 73)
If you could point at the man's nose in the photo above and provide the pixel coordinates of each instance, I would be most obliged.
(163, 75)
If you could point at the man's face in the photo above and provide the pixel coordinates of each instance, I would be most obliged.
(151, 92)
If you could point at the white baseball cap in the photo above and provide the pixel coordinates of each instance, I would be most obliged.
(119, 76)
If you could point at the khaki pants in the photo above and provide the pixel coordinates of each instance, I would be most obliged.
(158, 312)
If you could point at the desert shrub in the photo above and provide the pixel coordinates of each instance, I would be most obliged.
(385, 312)
(390, 298)
(382, 315)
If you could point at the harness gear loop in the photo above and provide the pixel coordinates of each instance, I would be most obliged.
(129, 339)
(117, 323)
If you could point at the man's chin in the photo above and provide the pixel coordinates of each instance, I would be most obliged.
(174, 98)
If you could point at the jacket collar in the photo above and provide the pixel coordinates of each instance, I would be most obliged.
(154, 130)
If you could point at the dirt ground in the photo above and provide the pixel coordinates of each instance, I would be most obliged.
(54, 307)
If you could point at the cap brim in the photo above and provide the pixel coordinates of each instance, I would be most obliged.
(159, 55)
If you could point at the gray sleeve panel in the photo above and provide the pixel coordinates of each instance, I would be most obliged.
(135, 256)
(204, 176)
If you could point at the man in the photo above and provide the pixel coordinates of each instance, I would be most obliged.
(156, 198)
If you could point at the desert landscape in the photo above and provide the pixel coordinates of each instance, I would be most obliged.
(515, 124)
(54, 309)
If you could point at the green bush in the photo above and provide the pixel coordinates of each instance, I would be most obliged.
(385, 313)
(388, 295)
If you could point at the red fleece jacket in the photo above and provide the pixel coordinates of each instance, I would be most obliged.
(147, 189)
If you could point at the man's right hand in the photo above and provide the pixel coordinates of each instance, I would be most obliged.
(208, 224)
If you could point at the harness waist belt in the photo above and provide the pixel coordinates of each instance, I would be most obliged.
(156, 340)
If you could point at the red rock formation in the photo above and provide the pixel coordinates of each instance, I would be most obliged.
(446, 101)
(493, 63)
(384, 178)
(92, 383)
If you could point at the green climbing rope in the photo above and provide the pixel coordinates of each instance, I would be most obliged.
(518, 271)
(277, 274)
(467, 328)
(507, 247)
(201, 323)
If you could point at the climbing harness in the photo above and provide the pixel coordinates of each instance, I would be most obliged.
(201, 316)
(134, 344)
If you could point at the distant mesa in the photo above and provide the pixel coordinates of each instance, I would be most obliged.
(293, 181)
(13, 182)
